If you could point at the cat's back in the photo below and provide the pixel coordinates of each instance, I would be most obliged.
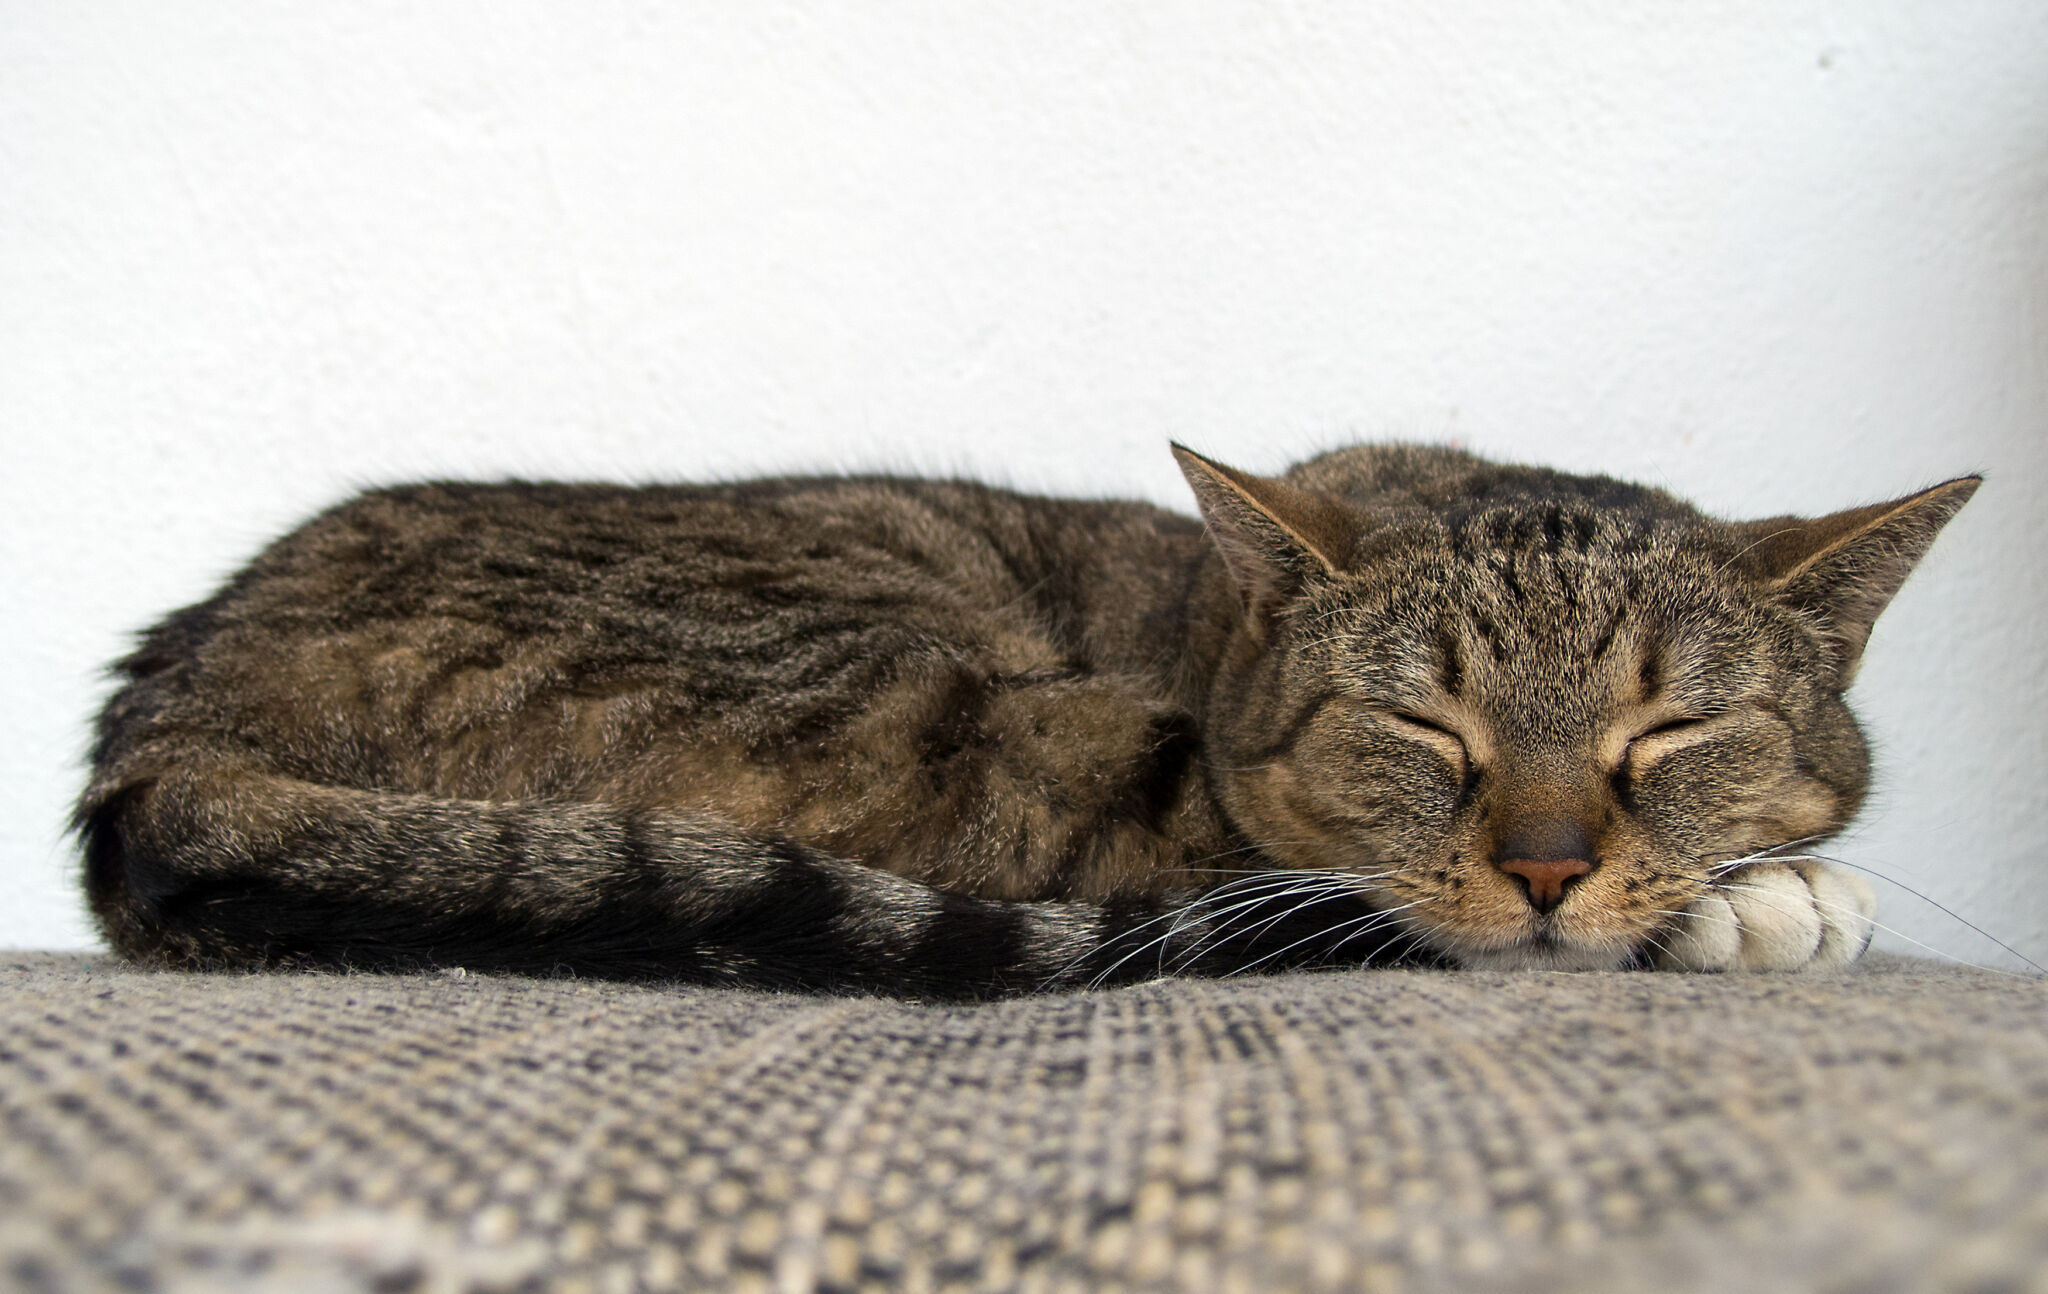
(879, 667)
(550, 557)
(495, 620)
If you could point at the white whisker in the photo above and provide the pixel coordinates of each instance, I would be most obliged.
(1264, 887)
(1376, 917)
(1222, 930)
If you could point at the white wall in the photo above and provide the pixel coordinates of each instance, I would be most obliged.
(1786, 254)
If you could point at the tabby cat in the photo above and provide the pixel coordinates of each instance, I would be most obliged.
(934, 737)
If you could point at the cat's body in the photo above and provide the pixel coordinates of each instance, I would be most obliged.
(937, 737)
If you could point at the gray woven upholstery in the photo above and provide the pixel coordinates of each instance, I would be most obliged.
(1886, 1129)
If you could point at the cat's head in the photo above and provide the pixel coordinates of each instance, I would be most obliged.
(1537, 709)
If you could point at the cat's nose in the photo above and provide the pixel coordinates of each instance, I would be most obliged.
(1546, 857)
(1545, 878)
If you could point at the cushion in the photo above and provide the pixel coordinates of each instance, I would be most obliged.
(1882, 1128)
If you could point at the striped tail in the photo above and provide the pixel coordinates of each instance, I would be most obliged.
(215, 865)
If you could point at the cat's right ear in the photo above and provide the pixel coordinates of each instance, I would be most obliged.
(1273, 536)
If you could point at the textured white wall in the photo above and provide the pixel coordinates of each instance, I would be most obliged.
(1777, 255)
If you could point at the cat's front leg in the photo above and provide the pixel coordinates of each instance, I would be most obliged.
(1772, 916)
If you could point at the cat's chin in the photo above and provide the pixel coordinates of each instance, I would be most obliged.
(1543, 954)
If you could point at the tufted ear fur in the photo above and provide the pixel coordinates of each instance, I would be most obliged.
(1273, 536)
(1845, 568)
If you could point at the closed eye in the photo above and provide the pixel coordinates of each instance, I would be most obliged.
(1670, 729)
(1417, 721)
(1434, 735)
(1654, 743)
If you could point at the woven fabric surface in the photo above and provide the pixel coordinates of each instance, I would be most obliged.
(1877, 1130)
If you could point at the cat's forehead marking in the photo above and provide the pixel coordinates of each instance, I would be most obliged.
(1553, 623)
(1549, 527)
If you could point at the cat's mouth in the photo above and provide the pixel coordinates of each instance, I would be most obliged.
(1545, 954)
(1544, 948)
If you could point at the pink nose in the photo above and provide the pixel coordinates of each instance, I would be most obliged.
(1546, 878)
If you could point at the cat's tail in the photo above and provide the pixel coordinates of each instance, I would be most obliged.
(220, 865)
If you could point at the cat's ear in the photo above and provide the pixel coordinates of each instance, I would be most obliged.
(1844, 568)
(1273, 536)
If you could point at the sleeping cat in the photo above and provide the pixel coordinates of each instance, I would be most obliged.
(1399, 703)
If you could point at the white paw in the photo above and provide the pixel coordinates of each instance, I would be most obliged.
(1772, 916)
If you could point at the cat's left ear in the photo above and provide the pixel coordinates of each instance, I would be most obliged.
(1274, 537)
(1845, 568)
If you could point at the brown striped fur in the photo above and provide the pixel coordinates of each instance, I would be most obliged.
(935, 736)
